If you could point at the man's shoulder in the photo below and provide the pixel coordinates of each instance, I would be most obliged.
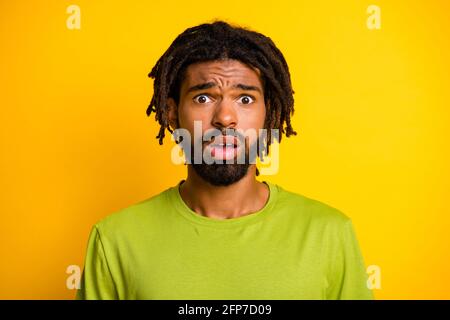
(305, 207)
(144, 213)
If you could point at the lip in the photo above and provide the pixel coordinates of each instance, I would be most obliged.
(223, 140)
(219, 149)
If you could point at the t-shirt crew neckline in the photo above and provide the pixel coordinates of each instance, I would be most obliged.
(183, 209)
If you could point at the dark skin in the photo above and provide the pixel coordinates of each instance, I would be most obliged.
(235, 99)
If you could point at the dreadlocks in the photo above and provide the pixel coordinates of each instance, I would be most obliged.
(218, 41)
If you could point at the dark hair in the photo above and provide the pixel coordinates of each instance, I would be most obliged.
(217, 41)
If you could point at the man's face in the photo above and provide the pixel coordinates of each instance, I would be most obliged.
(221, 94)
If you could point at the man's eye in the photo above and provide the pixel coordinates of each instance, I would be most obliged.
(202, 99)
(246, 99)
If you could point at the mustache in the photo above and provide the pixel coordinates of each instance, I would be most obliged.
(232, 133)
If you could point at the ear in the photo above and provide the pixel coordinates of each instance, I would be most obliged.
(173, 113)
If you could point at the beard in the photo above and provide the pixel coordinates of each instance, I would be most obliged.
(223, 174)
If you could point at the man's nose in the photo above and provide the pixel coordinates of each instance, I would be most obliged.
(225, 115)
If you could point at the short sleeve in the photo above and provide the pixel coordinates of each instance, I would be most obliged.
(96, 281)
(348, 280)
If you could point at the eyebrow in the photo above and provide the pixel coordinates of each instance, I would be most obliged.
(207, 85)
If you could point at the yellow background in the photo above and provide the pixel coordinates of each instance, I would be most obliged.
(372, 113)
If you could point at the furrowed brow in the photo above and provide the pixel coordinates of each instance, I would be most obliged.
(201, 86)
(247, 87)
(207, 85)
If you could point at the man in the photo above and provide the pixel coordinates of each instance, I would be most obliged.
(221, 234)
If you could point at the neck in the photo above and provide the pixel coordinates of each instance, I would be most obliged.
(224, 202)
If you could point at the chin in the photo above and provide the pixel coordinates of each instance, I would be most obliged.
(221, 174)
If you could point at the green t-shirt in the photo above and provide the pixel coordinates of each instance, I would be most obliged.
(293, 248)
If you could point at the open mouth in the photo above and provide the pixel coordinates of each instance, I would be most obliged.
(224, 148)
(224, 152)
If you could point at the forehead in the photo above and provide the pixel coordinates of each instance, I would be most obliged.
(223, 72)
